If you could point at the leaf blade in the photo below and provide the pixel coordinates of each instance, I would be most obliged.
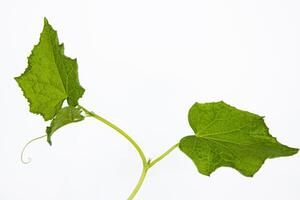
(226, 136)
(65, 116)
(51, 77)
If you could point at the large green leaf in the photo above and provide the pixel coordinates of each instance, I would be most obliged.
(226, 136)
(51, 77)
(65, 116)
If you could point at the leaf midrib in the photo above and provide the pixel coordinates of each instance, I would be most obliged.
(54, 58)
(207, 136)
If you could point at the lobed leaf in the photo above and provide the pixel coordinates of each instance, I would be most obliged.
(226, 136)
(51, 77)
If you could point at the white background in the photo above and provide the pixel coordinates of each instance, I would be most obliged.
(143, 64)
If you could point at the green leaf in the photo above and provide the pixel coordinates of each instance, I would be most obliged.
(226, 136)
(51, 77)
(65, 116)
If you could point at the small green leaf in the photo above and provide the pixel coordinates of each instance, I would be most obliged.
(226, 136)
(65, 116)
(51, 77)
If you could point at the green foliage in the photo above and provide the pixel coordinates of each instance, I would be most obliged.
(64, 116)
(226, 136)
(51, 77)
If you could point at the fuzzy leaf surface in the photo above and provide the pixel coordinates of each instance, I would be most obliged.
(227, 136)
(51, 77)
(65, 116)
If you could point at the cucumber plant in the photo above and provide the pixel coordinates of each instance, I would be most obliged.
(223, 135)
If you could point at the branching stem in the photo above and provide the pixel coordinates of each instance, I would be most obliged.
(159, 158)
(147, 164)
(146, 168)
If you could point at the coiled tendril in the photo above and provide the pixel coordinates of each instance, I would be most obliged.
(28, 160)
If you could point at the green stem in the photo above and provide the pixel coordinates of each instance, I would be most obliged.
(146, 168)
(146, 165)
(134, 144)
(159, 158)
(139, 183)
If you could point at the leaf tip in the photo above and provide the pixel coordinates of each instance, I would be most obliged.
(17, 79)
(49, 131)
(208, 174)
(295, 151)
(46, 21)
(49, 142)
